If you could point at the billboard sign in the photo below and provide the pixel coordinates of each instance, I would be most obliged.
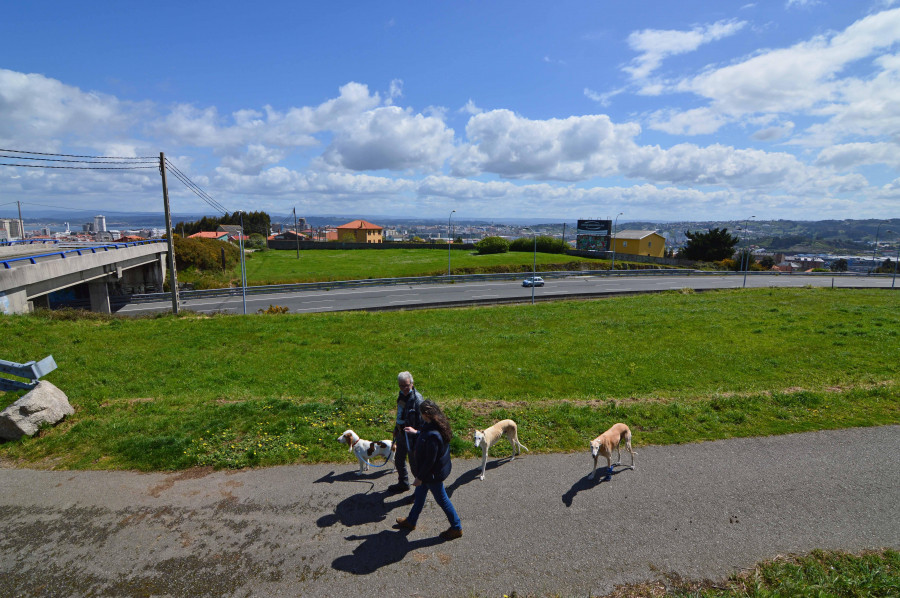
(593, 235)
(595, 227)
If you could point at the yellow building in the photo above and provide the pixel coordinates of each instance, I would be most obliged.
(640, 242)
(359, 231)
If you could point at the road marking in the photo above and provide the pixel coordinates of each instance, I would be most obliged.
(484, 296)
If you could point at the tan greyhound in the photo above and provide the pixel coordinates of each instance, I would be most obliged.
(604, 444)
(489, 436)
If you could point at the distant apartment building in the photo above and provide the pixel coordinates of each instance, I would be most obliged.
(11, 228)
(100, 223)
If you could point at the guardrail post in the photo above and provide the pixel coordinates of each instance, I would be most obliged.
(31, 370)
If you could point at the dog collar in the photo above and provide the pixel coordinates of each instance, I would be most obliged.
(354, 443)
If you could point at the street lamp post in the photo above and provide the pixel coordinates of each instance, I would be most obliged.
(449, 239)
(896, 265)
(243, 265)
(875, 250)
(747, 267)
(613, 266)
(534, 262)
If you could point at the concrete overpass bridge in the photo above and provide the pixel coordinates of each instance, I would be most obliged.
(29, 273)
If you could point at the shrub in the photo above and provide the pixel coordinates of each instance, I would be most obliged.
(204, 254)
(492, 245)
(545, 244)
(257, 241)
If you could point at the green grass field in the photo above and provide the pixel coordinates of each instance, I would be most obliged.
(830, 574)
(232, 391)
(283, 267)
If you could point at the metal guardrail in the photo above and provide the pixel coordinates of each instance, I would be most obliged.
(33, 370)
(78, 250)
(29, 242)
(443, 279)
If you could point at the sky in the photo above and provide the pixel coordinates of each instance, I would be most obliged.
(689, 110)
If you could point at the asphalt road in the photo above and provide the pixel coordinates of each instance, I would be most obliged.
(535, 525)
(407, 296)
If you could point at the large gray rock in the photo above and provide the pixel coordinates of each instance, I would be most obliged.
(44, 404)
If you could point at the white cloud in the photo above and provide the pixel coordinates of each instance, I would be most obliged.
(805, 78)
(699, 121)
(296, 127)
(253, 159)
(655, 45)
(471, 108)
(390, 138)
(851, 155)
(773, 133)
(38, 108)
(574, 148)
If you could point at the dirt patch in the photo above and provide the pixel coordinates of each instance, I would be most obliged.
(133, 401)
(188, 474)
(483, 407)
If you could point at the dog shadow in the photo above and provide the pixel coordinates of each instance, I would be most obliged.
(379, 550)
(363, 508)
(473, 474)
(586, 484)
(351, 476)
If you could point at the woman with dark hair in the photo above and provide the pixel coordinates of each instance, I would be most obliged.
(431, 467)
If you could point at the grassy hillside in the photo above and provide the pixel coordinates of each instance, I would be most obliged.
(283, 267)
(174, 392)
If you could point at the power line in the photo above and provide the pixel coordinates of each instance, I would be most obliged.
(196, 188)
(78, 161)
(79, 156)
(79, 167)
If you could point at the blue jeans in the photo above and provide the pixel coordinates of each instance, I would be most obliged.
(440, 496)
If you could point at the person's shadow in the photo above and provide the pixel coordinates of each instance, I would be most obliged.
(363, 507)
(378, 550)
(586, 484)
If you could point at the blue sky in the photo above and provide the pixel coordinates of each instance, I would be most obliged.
(692, 110)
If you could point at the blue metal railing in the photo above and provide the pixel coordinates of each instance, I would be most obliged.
(9, 243)
(79, 251)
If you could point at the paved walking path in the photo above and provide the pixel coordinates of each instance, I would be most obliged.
(535, 525)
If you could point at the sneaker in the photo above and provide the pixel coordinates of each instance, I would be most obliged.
(398, 487)
(451, 534)
(402, 523)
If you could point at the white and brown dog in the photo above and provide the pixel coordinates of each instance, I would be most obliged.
(604, 444)
(366, 449)
(489, 436)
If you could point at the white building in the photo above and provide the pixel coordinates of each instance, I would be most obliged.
(12, 228)
(99, 223)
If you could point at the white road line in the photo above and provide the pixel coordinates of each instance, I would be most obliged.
(484, 296)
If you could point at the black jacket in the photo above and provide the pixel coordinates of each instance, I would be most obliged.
(432, 463)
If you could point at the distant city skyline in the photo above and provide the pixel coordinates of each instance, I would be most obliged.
(660, 111)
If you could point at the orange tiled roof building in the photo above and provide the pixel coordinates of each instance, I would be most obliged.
(359, 231)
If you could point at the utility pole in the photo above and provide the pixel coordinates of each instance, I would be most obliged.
(564, 233)
(173, 277)
(296, 233)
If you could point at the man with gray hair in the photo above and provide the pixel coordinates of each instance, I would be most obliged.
(408, 403)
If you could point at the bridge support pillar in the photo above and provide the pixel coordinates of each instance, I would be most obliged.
(14, 301)
(43, 302)
(99, 296)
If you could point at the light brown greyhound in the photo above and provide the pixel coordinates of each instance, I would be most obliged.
(604, 444)
(489, 436)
